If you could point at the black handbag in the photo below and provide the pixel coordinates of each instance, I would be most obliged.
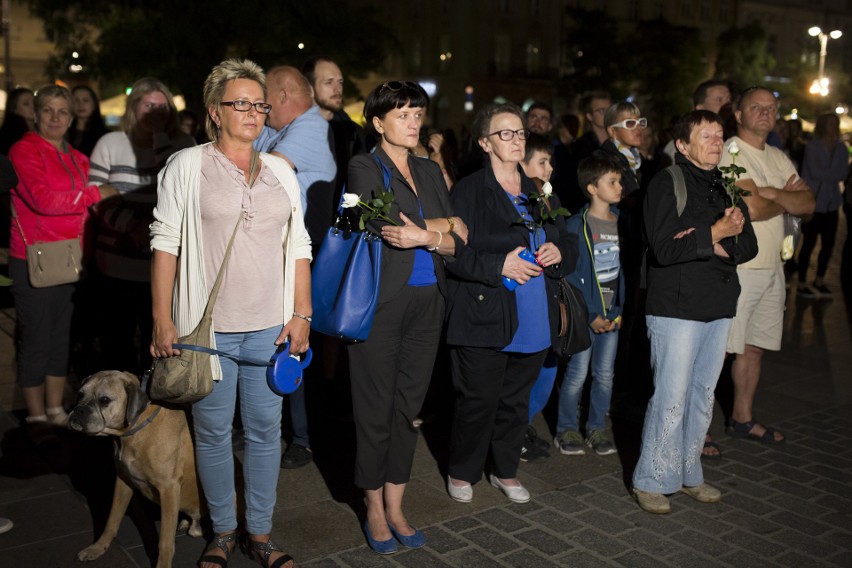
(573, 331)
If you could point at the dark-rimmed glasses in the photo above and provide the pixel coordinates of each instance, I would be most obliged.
(245, 106)
(394, 86)
(632, 123)
(506, 134)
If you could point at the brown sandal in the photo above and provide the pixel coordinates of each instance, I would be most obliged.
(221, 542)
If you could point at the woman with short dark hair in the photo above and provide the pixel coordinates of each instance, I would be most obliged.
(390, 371)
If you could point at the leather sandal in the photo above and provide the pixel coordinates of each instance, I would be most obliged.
(744, 430)
(262, 551)
(221, 542)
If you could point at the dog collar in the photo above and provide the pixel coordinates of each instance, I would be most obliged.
(140, 426)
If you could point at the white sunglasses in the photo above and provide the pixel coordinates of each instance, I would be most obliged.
(632, 123)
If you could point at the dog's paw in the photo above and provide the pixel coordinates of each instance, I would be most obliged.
(92, 552)
(195, 529)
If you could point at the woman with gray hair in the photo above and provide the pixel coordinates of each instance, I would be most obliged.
(130, 160)
(264, 299)
(50, 203)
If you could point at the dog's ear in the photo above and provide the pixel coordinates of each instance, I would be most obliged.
(137, 400)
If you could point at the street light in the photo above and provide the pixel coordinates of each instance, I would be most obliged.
(820, 85)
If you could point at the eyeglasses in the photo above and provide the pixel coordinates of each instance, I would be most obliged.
(506, 135)
(632, 123)
(245, 106)
(395, 86)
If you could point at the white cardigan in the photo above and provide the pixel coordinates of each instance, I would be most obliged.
(177, 230)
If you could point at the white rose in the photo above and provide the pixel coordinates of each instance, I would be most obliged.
(547, 189)
(733, 149)
(350, 200)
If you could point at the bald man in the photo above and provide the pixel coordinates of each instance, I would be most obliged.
(296, 131)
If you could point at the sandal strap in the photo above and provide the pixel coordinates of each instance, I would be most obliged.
(266, 549)
(222, 541)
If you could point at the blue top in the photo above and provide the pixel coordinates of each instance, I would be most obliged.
(423, 273)
(533, 333)
(305, 143)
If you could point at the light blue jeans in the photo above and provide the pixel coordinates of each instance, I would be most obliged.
(687, 357)
(601, 356)
(260, 410)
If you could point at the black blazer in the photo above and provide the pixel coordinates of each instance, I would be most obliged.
(365, 177)
(481, 312)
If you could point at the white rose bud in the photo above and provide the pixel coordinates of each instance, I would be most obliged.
(733, 149)
(547, 189)
(350, 200)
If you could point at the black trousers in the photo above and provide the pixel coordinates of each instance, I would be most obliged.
(824, 226)
(390, 375)
(492, 409)
(126, 324)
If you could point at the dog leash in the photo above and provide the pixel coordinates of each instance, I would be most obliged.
(209, 351)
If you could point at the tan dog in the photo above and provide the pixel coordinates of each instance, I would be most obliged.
(154, 454)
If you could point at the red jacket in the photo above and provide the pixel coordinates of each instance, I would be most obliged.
(53, 196)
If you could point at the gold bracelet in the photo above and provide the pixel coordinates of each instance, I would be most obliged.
(308, 319)
(452, 223)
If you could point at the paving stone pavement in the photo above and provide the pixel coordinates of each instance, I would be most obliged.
(786, 504)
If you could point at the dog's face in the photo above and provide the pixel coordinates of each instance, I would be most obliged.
(109, 402)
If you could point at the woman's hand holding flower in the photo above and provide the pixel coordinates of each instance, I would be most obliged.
(548, 254)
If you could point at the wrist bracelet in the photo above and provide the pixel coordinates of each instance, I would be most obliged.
(308, 319)
(452, 223)
(440, 239)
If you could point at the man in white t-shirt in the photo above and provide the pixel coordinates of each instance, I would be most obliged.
(775, 189)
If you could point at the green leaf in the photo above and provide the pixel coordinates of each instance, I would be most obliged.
(377, 203)
(562, 211)
(387, 197)
(361, 223)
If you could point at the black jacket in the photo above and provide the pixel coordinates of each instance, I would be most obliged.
(365, 176)
(686, 280)
(481, 312)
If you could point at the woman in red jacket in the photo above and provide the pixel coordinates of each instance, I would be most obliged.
(50, 203)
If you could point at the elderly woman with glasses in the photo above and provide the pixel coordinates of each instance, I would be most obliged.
(264, 299)
(501, 311)
(390, 371)
(696, 238)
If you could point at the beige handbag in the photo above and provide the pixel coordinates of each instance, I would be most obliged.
(53, 263)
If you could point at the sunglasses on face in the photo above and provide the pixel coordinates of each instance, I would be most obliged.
(632, 123)
(506, 135)
(245, 106)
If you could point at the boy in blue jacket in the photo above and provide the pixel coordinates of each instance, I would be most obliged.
(600, 278)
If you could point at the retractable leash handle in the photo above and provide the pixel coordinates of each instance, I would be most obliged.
(283, 373)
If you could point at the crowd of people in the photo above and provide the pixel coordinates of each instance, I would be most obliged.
(677, 250)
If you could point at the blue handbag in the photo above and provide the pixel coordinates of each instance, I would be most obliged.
(345, 279)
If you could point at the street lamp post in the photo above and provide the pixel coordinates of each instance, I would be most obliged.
(821, 84)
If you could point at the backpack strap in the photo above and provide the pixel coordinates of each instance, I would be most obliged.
(679, 187)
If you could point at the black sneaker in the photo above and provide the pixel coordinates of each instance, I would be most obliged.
(533, 454)
(532, 439)
(823, 290)
(296, 456)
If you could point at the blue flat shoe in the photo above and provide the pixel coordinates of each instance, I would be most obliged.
(379, 546)
(415, 540)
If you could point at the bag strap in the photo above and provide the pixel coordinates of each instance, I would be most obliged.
(679, 187)
(386, 177)
(18, 223)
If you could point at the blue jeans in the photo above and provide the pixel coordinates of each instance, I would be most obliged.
(260, 409)
(687, 357)
(601, 356)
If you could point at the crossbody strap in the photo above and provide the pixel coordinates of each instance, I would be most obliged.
(211, 351)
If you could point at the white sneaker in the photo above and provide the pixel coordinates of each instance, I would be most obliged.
(515, 493)
(463, 494)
